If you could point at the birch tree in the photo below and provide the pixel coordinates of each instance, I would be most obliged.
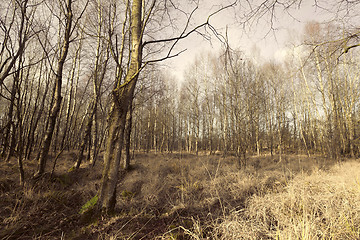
(57, 88)
(123, 92)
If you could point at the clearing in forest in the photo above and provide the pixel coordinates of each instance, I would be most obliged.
(184, 196)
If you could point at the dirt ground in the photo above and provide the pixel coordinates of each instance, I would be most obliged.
(162, 196)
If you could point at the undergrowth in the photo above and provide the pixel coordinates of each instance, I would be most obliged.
(172, 196)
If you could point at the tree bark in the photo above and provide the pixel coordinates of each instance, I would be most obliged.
(128, 138)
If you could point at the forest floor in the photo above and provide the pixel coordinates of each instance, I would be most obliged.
(184, 196)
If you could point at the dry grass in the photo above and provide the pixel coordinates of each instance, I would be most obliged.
(43, 209)
(323, 205)
(183, 196)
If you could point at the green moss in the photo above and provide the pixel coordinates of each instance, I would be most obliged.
(89, 205)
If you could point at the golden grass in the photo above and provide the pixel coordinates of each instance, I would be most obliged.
(323, 205)
(172, 196)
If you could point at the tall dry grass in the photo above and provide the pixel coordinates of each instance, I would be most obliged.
(172, 196)
(323, 205)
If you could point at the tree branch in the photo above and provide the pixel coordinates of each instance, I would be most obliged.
(185, 34)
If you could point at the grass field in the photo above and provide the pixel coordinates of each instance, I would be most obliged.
(183, 196)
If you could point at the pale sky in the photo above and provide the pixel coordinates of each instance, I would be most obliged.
(271, 45)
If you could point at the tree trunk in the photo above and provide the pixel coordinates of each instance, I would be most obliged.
(128, 137)
(20, 131)
(56, 105)
(86, 138)
(114, 146)
(71, 95)
(155, 145)
(95, 145)
(10, 123)
(122, 98)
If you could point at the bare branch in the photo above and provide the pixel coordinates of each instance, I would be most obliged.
(185, 34)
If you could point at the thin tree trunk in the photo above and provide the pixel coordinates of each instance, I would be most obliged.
(58, 82)
(9, 125)
(95, 144)
(12, 142)
(20, 137)
(86, 138)
(40, 110)
(71, 95)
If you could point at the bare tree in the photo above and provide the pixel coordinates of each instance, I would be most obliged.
(12, 49)
(100, 68)
(123, 93)
(57, 88)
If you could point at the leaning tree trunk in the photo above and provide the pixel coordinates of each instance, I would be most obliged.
(114, 146)
(56, 105)
(122, 98)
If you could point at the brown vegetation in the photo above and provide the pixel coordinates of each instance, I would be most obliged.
(184, 196)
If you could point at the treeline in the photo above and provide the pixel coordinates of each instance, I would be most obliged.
(230, 103)
(52, 79)
(57, 78)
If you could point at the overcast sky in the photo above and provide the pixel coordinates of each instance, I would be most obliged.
(271, 45)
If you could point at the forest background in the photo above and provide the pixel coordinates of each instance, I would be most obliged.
(89, 78)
